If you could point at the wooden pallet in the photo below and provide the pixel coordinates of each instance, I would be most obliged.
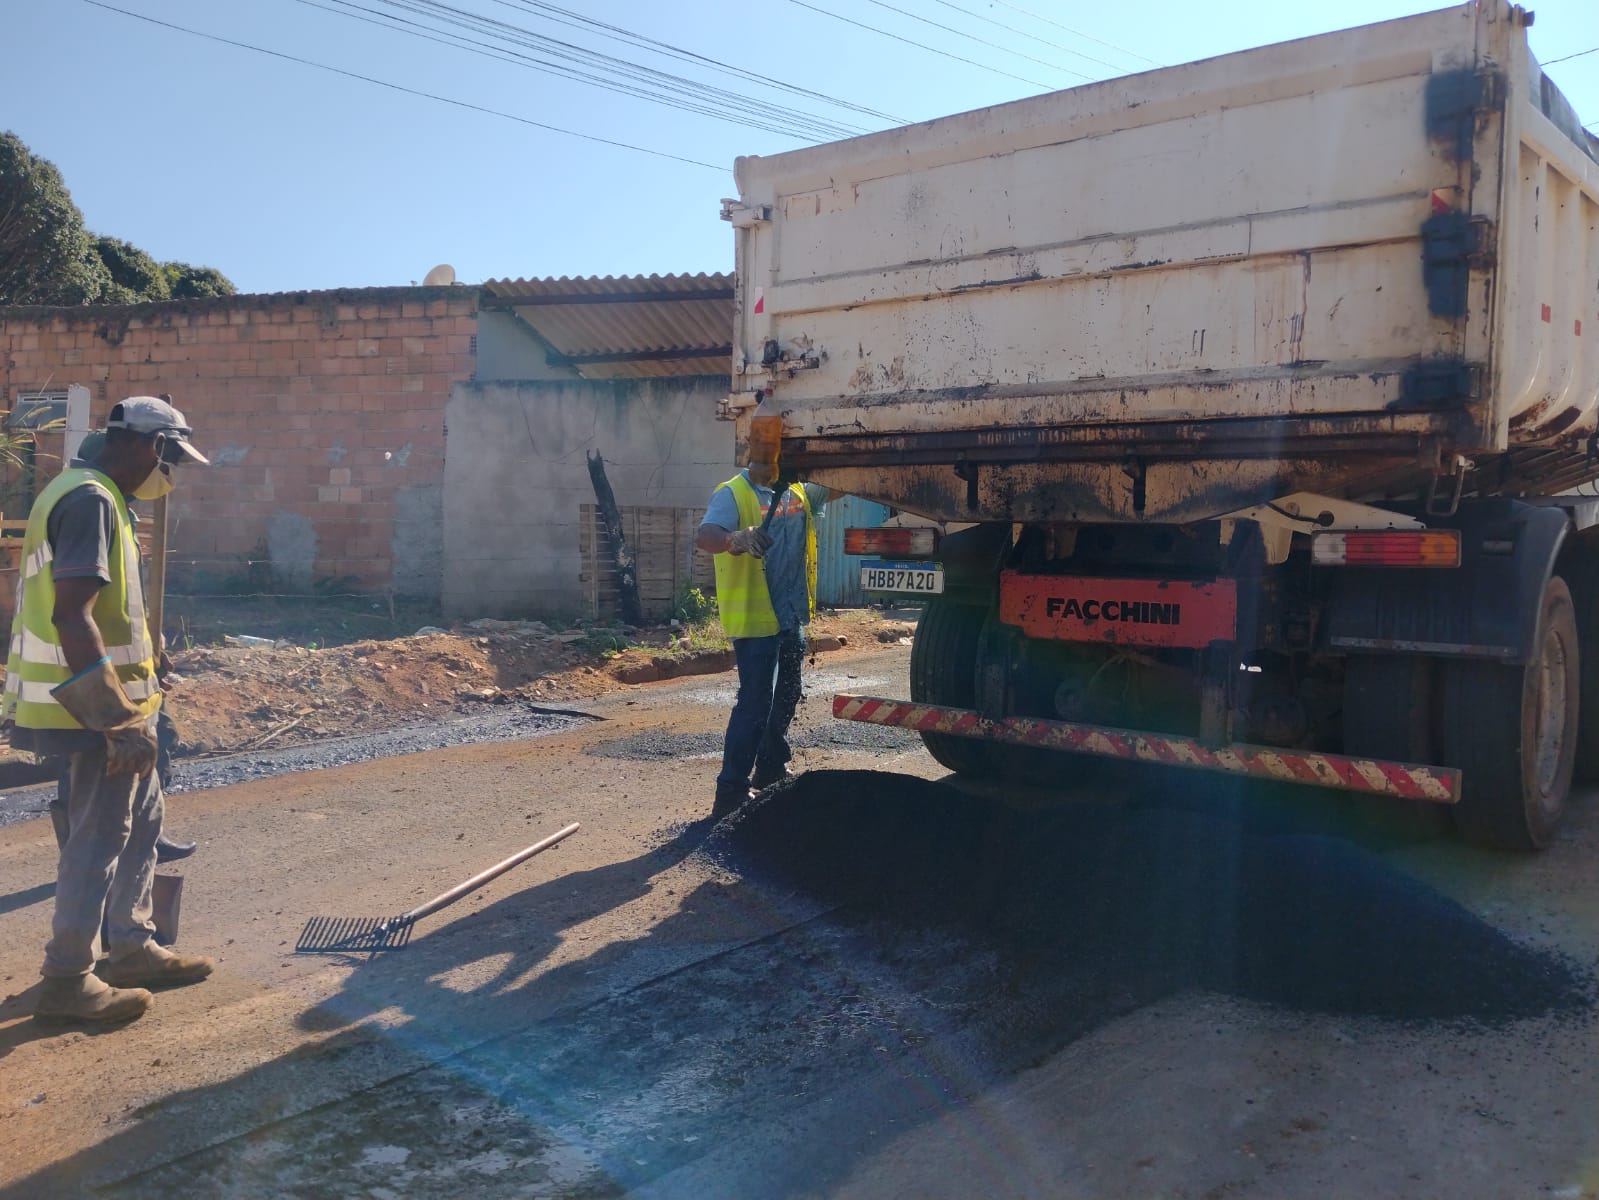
(662, 541)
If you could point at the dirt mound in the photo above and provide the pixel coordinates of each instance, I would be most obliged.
(236, 697)
(249, 697)
(1138, 902)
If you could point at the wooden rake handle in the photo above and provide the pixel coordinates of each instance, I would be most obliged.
(478, 880)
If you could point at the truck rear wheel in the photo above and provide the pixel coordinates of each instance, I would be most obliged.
(1512, 731)
(944, 671)
(1579, 566)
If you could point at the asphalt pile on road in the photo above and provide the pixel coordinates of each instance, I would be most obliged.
(1135, 902)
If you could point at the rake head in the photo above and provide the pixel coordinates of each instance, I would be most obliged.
(353, 935)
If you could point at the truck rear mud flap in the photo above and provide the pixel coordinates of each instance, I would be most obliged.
(1407, 781)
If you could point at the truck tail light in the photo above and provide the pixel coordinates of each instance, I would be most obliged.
(1387, 548)
(918, 542)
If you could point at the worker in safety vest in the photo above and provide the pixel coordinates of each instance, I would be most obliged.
(81, 682)
(766, 595)
(167, 848)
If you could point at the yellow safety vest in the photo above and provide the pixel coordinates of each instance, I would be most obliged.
(36, 663)
(742, 598)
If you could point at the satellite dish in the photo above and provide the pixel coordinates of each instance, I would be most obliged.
(440, 276)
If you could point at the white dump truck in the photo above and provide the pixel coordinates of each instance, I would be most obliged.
(1256, 400)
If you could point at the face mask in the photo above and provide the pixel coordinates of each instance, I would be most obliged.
(157, 484)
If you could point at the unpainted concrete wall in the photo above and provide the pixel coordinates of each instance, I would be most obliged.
(508, 348)
(516, 473)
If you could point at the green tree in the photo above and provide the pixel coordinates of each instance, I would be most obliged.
(135, 276)
(45, 252)
(196, 283)
(48, 257)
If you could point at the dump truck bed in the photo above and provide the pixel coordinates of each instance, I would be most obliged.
(1335, 265)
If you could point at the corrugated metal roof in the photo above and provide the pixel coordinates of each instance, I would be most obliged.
(628, 326)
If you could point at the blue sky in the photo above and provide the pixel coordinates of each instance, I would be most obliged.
(285, 176)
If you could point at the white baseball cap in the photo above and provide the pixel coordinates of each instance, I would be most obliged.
(153, 415)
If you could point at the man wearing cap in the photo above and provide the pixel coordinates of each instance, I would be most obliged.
(167, 848)
(81, 682)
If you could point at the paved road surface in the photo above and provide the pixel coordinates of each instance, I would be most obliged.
(869, 985)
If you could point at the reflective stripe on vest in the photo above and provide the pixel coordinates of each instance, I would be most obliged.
(35, 649)
(36, 663)
(742, 598)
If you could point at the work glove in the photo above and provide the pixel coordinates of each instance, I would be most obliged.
(95, 700)
(753, 541)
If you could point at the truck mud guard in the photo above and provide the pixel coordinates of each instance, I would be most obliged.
(1487, 608)
(972, 559)
(1407, 781)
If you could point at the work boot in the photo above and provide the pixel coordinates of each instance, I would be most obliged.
(167, 850)
(729, 798)
(88, 998)
(766, 777)
(156, 966)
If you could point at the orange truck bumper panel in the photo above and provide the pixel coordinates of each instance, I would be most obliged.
(1124, 612)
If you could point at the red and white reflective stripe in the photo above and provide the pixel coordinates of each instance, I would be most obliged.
(1405, 780)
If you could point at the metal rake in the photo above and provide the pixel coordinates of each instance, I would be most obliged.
(363, 935)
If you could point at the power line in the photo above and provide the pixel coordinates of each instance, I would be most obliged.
(921, 46)
(980, 41)
(587, 137)
(564, 16)
(1569, 57)
(1031, 36)
(648, 76)
(1077, 33)
(678, 93)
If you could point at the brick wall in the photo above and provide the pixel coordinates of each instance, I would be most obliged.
(323, 412)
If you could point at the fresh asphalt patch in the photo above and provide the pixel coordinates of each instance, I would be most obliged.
(658, 745)
(857, 735)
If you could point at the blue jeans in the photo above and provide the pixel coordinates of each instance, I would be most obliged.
(768, 694)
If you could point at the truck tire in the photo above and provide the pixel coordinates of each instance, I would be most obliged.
(1512, 731)
(1581, 573)
(944, 671)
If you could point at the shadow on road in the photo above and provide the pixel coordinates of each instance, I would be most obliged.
(498, 945)
(22, 898)
(884, 950)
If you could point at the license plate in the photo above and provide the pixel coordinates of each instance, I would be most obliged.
(916, 578)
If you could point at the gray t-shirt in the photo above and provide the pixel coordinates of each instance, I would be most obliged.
(785, 560)
(82, 530)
